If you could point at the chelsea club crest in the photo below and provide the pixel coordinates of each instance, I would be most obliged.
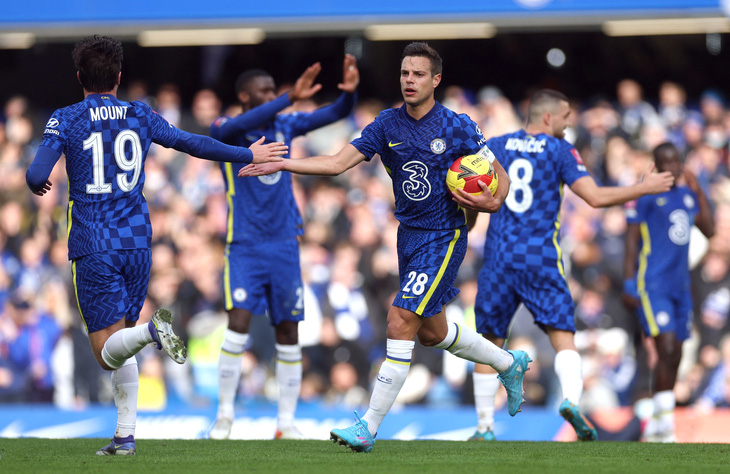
(438, 146)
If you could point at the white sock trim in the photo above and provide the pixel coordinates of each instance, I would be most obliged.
(452, 337)
(234, 343)
(288, 353)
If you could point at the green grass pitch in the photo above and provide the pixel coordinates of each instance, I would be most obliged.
(31, 455)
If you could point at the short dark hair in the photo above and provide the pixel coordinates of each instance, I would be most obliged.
(422, 49)
(247, 76)
(98, 59)
(664, 149)
(543, 100)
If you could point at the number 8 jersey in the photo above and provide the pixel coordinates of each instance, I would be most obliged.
(525, 232)
(106, 141)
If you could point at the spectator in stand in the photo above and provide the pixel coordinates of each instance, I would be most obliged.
(635, 112)
(673, 111)
(717, 393)
(28, 339)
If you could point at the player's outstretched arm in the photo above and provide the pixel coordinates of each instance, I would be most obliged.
(209, 148)
(304, 87)
(323, 165)
(485, 202)
(604, 196)
(656, 183)
(271, 152)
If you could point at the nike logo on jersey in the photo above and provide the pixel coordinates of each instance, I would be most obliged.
(661, 201)
(409, 297)
(391, 144)
(296, 313)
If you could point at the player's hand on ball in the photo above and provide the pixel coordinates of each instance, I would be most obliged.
(269, 152)
(261, 169)
(483, 202)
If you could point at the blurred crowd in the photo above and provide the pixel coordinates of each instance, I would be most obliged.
(349, 263)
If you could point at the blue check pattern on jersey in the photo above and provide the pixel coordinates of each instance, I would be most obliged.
(417, 154)
(524, 234)
(111, 285)
(118, 219)
(501, 289)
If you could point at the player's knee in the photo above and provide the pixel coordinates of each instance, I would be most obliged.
(102, 363)
(428, 338)
(287, 333)
(239, 321)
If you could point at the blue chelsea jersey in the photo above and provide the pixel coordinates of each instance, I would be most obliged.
(417, 155)
(264, 208)
(106, 141)
(260, 208)
(665, 221)
(524, 234)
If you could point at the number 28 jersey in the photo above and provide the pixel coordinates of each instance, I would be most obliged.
(525, 233)
(106, 141)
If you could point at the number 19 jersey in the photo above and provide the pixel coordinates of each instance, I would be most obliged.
(106, 141)
(524, 234)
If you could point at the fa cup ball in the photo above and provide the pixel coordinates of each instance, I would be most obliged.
(466, 172)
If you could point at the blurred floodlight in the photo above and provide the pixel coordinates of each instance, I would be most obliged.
(353, 45)
(713, 41)
(556, 57)
(427, 31)
(667, 26)
(18, 40)
(216, 36)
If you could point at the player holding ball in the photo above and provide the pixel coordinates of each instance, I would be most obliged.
(417, 143)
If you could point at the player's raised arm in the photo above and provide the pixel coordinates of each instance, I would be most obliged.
(304, 87)
(603, 196)
(350, 75)
(323, 165)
